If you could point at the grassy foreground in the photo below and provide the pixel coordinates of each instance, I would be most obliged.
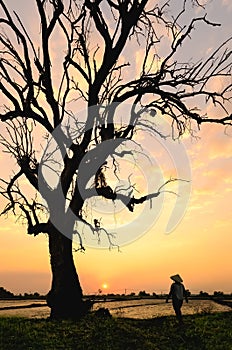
(201, 332)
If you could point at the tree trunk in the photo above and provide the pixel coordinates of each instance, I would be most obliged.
(65, 297)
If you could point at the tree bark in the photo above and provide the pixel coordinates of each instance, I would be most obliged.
(65, 297)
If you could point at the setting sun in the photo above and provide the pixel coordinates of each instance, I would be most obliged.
(105, 286)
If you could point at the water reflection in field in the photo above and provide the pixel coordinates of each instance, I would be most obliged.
(144, 308)
(34, 312)
(149, 308)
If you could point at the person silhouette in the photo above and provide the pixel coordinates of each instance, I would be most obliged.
(178, 294)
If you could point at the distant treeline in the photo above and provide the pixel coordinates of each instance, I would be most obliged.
(144, 295)
(5, 294)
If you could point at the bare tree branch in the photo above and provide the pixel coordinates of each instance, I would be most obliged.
(90, 67)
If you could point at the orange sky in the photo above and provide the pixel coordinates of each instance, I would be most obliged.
(199, 248)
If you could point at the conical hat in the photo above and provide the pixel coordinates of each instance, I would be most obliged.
(176, 278)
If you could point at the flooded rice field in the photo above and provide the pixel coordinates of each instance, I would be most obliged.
(142, 308)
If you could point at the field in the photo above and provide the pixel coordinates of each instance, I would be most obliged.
(128, 308)
(200, 331)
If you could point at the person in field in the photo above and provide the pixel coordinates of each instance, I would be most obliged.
(178, 294)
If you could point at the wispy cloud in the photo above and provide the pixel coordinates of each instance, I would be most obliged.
(228, 4)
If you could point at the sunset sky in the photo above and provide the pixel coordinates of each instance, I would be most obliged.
(199, 248)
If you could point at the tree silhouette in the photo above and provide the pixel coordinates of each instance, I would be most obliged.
(5, 294)
(78, 60)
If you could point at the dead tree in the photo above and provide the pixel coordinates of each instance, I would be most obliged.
(41, 90)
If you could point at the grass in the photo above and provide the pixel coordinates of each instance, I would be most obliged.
(201, 332)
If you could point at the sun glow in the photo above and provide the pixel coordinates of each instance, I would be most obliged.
(104, 285)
